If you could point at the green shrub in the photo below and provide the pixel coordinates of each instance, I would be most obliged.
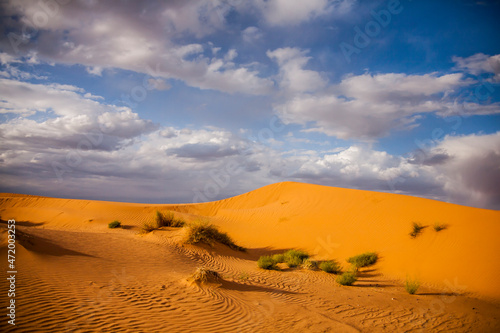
(411, 286)
(266, 262)
(167, 220)
(310, 264)
(294, 258)
(203, 232)
(347, 278)
(114, 224)
(330, 267)
(279, 258)
(416, 229)
(438, 226)
(363, 260)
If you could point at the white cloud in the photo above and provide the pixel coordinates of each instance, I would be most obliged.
(290, 12)
(251, 34)
(366, 107)
(106, 36)
(480, 63)
(293, 77)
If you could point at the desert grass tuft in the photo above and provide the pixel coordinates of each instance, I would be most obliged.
(310, 264)
(167, 220)
(204, 232)
(279, 258)
(114, 224)
(411, 286)
(148, 227)
(439, 226)
(267, 262)
(330, 266)
(363, 260)
(347, 278)
(416, 229)
(294, 258)
(203, 274)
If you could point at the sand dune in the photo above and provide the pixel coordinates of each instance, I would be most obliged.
(76, 275)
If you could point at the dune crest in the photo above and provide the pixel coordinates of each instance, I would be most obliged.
(76, 274)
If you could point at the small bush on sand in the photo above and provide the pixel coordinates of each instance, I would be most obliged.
(416, 229)
(294, 258)
(438, 226)
(279, 258)
(411, 286)
(147, 227)
(363, 260)
(330, 267)
(204, 232)
(114, 224)
(310, 264)
(347, 278)
(203, 274)
(167, 220)
(266, 262)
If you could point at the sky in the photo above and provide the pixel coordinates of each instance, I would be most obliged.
(186, 101)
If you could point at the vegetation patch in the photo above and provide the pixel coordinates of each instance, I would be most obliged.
(416, 229)
(439, 226)
(279, 258)
(167, 220)
(411, 286)
(267, 262)
(330, 266)
(114, 224)
(347, 278)
(363, 260)
(294, 258)
(204, 232)
(203, 274)
(310, 264)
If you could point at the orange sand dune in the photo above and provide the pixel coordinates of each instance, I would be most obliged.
(76, 275)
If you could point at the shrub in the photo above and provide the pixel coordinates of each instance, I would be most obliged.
(167, 220)
(114, 224)
(363, 260)
(279, 258)
(147, 227)
(294, 258)
(266, 262)
(347, 278)
(438, 226)
(203, 232)
(411, 286)
(330, 267)
(417, 228)
(310, 264)
(203, 274)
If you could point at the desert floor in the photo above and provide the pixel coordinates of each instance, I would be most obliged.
(77, 275)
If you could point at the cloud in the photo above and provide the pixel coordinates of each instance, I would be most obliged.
(480, 63)
(251, 34)
(107, 36)
(292, 12)
(293, 77)
(367, 107)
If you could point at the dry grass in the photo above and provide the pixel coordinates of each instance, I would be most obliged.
(411, 286)
(330, 266)
(363, 260)
(202, 275)
(204, 232)
(416, 229)
(439, 226)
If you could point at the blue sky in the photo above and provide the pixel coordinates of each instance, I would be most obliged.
(187, 101)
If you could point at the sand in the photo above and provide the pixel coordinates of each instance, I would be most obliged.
(77, 275)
